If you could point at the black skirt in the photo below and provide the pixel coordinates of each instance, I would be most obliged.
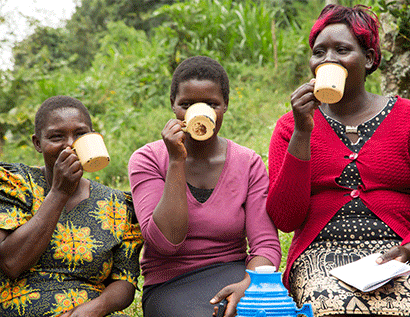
(189, 294)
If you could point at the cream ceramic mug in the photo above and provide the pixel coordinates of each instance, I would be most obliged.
(330, 82)
(200, 120)
(91, 151)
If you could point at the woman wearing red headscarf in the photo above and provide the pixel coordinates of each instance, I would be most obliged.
(340, 175)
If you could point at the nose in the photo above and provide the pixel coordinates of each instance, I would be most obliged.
(330, 57)
(70, 141)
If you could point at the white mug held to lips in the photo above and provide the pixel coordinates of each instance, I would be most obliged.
(330, 82)
(91, 151)
(200, 120)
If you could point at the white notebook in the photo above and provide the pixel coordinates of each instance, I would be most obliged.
(366, 275)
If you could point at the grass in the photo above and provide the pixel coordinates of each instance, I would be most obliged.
(135, 309)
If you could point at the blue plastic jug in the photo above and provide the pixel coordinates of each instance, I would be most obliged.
(267, 296)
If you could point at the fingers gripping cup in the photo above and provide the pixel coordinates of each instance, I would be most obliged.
(91, 151)
(330, 82)
(200, 121)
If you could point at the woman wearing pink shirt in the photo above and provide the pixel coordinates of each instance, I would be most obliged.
(201, 206)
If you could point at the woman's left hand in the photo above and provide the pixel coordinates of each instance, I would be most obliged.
(400, 253)
(116, 296)
(233, 293)
(84, 310)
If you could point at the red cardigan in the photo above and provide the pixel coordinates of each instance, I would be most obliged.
(304, 196)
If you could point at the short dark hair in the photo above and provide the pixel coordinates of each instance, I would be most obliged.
(200, 68)
(58, 102)
(363, 23)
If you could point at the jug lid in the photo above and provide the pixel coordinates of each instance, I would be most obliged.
(265, 269)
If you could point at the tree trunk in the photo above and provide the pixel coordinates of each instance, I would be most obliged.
(395, 66)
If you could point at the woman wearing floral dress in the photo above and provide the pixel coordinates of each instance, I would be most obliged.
(68, 245)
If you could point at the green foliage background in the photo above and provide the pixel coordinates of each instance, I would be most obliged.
(118, 59)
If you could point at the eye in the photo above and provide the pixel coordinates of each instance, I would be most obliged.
(342, 50)
(185, 105)
(318, 53)
(56, 137)
(78, 134)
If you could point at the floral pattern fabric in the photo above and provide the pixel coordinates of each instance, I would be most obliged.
(97, 241)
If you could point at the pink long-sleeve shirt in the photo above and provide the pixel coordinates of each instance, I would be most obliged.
(218, 228)
(304, 195)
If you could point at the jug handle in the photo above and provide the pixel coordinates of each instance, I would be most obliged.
(305, 310)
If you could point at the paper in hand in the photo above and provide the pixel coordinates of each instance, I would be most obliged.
(366, 275)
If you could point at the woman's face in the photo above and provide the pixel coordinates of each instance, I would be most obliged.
(62, 127)
(337, 44)
(194, 91)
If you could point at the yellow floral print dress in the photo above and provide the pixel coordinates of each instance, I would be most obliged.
(98, 241)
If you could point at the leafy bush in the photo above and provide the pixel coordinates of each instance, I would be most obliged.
(227, 30)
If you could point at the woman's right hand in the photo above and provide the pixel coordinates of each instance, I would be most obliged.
(21, 248)
(67, 172)
(304, 104)
(174, 138)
